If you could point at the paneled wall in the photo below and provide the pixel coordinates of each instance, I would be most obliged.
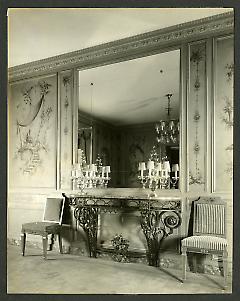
(210, 116)
(66, 128)
(33, 130)
(222, 126)
(197, 118)
(210, 123)
(41, 137)
(40, 146)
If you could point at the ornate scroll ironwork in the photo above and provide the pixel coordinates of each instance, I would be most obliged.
(158, 219)
(88, 220)
(157, 225)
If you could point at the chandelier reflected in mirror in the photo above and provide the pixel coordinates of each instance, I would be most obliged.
(168, 130)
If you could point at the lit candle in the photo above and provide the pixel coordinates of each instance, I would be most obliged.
(103, 170)
(175, 168)
(166, 167)
(150, 166)
(159, 168)
(87, 170)
(92, 170)
(107, 170)
(141, 167)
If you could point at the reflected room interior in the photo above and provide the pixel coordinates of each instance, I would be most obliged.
(128, 119)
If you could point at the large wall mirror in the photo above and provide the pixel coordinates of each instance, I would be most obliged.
(128, 114)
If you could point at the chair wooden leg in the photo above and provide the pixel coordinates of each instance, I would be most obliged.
(23, 242)
(184, 263)
(225, 268)
(60, 243)
(45, 244)
(195, 263)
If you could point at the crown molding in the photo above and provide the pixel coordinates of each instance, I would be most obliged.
(128, 48)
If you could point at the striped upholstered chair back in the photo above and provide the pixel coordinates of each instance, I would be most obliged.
(210, 217)
(209, 232)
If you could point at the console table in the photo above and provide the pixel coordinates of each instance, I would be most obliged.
(158, 216)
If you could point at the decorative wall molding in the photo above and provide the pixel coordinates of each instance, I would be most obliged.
(222, 115)
(136, 46)
(197, 103)
(66, 126)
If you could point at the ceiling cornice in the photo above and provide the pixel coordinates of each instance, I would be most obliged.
(127, 48)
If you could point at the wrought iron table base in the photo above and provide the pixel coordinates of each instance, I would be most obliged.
(158, 219)
(88, 220)
(156, 226)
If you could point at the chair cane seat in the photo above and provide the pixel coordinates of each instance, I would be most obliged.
(205, 242)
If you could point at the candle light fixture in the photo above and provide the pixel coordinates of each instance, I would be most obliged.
(168, 130)
(157, 175)
(90, 175)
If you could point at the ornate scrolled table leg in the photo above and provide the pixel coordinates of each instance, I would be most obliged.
(157, 225)
(88, 220)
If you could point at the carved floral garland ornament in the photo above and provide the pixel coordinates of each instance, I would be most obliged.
(66, 83)
(196, 57)
(32, 142)
(227, 117)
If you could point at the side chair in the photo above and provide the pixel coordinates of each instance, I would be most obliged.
(50, 224)
(209, 232)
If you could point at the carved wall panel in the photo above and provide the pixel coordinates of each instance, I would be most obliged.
(196, 117)
(33, 133)
(66, 102)
(223, 114)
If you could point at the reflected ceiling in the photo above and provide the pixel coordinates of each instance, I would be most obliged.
(37, 33)
(132, 92)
